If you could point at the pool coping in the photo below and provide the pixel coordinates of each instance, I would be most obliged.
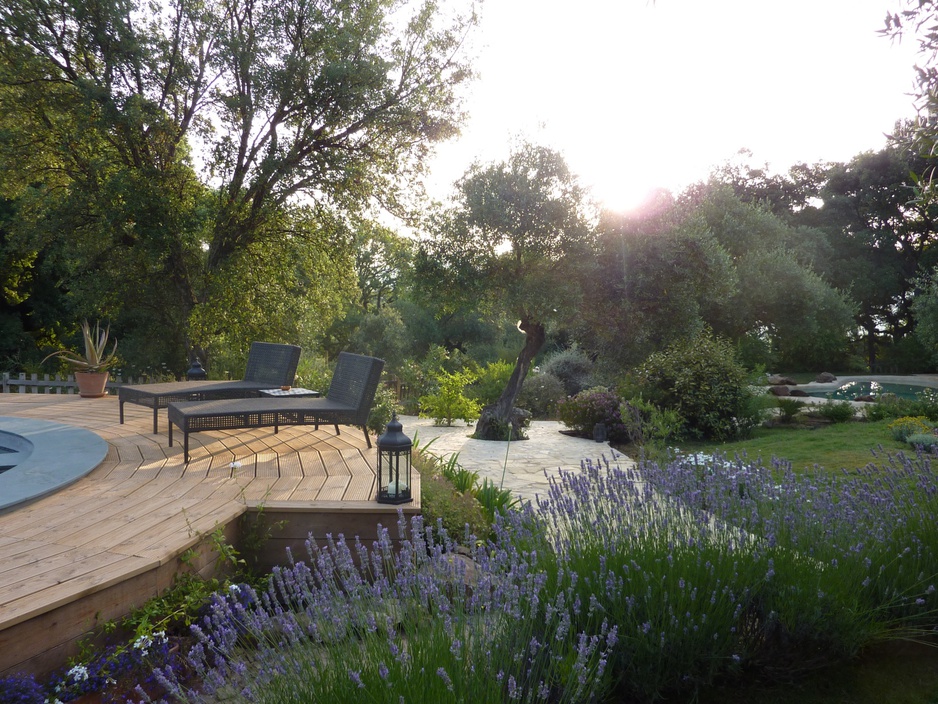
(60, 455)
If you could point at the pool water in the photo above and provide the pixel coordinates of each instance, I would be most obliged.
(852, 389)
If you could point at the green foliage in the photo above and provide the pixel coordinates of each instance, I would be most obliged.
(382, 334)
(419, 377)
(902, 428)
(788, 408)
(925, 309)
(462, 479)
(494, 499)
(490, 381)
(200, 207)
(441, 502)
(660, 278)
(836, 411)
(701, 380)
(449, 402)
(540, 394)
(313, 372)
(581, 413)
(650, 427)
(384, 407)
(572, 367)
(924, 440)
(924, 404)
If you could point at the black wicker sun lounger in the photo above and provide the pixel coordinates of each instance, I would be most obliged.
(270, 366)
(351, 394)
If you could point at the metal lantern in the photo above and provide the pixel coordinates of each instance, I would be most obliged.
(196, 372)
(394, 467)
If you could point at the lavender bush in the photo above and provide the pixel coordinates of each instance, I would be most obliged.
(640, 583)
(706, 568)
(419, 623)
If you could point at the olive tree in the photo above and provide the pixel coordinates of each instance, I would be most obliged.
(515, 240)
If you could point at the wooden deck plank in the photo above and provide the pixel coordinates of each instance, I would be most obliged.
(362, 487)
(335, 465)
(312, 463)
(333, 489)
(290, 465)
(79, 567)
(308, 488)
(85, 580)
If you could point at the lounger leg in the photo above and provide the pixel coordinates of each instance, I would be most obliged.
(170, 434)
(185, 445)
(156, 409)
(120, 405)
(336, 428)
(367, 436)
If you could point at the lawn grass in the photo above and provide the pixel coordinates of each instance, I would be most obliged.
(837, 446)
(895, 672)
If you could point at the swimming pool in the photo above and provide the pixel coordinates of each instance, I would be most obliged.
(852, 389)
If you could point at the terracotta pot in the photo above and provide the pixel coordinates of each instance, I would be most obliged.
(91, 384)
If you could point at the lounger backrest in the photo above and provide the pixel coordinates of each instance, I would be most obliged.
(355, 382)
(272, 363)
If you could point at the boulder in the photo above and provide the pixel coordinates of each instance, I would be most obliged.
(490, 428)
(776, 380)
(865, 399)
(799, 392)
(825, 378)
(779, 391)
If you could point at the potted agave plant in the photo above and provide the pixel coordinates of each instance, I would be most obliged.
(91, 367)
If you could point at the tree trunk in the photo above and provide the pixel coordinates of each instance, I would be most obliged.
(495, 419)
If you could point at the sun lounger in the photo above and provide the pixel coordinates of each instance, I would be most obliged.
(348, 402)
(270, 366)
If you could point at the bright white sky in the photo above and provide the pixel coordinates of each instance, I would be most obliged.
(639, 94)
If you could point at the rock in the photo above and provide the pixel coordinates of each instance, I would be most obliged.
(798, 392)
(490, 428)
(776, 380)
(888, 397)
(825, 378)
(865, 399)
(779, 391)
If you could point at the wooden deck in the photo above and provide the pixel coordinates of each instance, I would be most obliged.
(92, 551)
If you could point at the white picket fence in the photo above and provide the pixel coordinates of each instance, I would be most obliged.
(52, 384)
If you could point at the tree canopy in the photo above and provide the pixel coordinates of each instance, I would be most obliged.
(203, 157)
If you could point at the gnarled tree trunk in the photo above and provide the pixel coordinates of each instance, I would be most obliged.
(495, 419)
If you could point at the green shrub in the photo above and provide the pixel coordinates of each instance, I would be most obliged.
(449, 402)
(649, 426)
(418, 378)
(494, 499)
(440, 503)
(572, 367)
(925, 440)
(384, 407)
(701, 380)
(836, 411)
(582, 412)
(540, 394)
(788, 408)
(490, 382)
(463, 480)
(924, 404)
(902, 428)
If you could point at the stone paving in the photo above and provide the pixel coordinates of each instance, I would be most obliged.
(529, 462)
